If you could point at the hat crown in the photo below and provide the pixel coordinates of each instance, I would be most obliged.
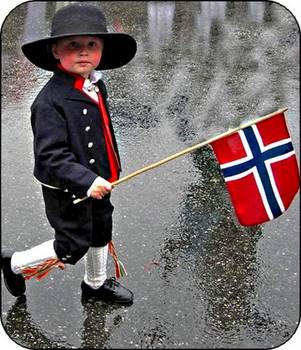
(78, 19)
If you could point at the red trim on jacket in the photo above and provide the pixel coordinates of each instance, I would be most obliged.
(105, 118)
(112, 157)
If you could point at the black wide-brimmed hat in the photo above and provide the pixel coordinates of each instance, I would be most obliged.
(82, 19)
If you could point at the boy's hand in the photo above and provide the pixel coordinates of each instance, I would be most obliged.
(100, 188)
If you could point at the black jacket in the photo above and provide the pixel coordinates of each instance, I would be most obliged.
(69, 146)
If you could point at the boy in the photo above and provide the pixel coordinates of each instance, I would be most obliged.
(75, 151)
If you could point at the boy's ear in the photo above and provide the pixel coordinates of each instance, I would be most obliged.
(54, 51)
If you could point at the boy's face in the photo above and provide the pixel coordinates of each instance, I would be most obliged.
(79, 54)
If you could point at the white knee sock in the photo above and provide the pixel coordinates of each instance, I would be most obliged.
(96, 266)
(33, 257)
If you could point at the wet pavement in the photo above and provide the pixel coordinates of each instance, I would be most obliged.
(200, 279)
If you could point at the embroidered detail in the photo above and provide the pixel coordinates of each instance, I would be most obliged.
(92, 88)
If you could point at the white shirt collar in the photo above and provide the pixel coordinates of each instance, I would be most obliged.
(95, 75)
(89, 86)
(93, 78)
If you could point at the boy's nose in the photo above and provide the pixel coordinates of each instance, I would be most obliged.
(83, 50)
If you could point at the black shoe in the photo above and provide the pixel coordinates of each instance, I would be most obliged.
(110, 291)
(14, 283)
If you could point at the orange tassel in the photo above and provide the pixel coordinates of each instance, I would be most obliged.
(119, 267)
(42, 270)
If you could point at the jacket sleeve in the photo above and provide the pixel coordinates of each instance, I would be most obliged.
(54, 160)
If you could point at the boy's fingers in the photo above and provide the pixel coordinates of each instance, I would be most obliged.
(105, 188)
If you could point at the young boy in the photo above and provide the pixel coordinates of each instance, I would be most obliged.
(75, 151)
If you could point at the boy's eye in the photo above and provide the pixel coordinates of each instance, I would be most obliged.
(73, 45)
(92, 44)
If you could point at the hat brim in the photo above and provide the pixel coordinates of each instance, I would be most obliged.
(119, 49)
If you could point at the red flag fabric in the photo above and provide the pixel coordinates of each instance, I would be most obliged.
(260, 170)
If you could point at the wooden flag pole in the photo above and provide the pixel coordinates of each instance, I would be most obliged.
(188, 150)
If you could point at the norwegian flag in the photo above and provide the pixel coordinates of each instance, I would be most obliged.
(260, 169)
